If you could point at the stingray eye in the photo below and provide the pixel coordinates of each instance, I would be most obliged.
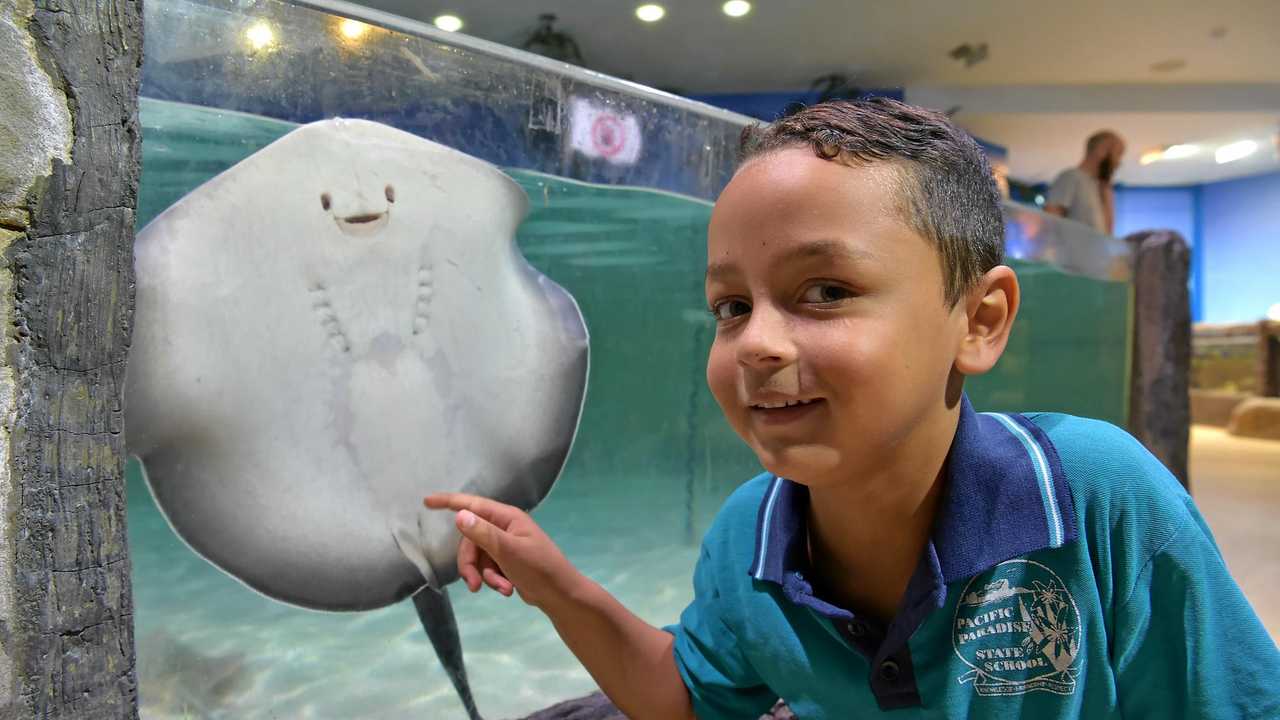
(325, 202)
(391, 194)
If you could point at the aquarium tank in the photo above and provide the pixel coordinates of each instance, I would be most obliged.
(620, 180)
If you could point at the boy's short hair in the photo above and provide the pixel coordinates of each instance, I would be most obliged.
(947, 193)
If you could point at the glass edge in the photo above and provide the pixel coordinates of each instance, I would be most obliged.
(1012, 208)
(409, 26)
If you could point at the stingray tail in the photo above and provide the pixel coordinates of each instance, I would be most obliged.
(436, 614)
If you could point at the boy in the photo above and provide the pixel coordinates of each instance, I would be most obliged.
(918, 557)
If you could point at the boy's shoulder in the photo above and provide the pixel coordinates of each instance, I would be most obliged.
(1103, 459)
(732, 534)
(740, 512)
(1116, 484)
(749, 494)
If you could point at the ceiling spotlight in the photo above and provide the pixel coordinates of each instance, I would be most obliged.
(1172, 152)
(260, 36)
(448, 23)
(650, 13)
(1178, 152)
(736, 8)
(352, 29)
(1235, 151)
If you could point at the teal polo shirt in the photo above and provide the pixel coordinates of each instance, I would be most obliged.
(1068, 575)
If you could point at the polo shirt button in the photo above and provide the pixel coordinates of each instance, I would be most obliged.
(889, 671)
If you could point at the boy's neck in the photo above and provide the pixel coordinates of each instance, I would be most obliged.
(866, 535)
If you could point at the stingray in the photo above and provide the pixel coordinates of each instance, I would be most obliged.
(328, 331)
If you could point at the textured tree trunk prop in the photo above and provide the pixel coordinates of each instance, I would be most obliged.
(1160, 400)
(1269, 358)
(68, 189)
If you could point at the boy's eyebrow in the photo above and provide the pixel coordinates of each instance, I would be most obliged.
(720, 270)
(832, 249)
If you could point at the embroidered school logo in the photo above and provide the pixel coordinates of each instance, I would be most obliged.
(1018, 628)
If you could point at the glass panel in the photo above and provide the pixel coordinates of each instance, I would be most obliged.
(1034, 235)
(619, 179)
(651, 464)
(282, 61)
(1069, 351)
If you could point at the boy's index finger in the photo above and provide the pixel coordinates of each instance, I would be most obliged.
(495, 512)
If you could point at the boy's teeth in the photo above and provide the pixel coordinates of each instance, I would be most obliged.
(789, 403)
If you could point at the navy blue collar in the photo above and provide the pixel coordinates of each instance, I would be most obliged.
(1005, 496)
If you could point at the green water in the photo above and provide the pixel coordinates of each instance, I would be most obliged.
(652, 461)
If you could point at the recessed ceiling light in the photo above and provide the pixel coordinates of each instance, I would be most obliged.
(1178, 152)
(352, 29)
(736, 8)
(1235, 151)
(1169, 65)
(650, 13)
(448, 23)
(260, 36)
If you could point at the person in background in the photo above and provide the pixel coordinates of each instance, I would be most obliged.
(1084, 193)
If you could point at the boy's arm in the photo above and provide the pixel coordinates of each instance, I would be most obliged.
(1187, 643)
(631, 661)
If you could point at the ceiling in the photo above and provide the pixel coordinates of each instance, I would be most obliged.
(1054, 71)
(1044, 127)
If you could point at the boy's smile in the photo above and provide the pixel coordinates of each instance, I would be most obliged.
(834, 344)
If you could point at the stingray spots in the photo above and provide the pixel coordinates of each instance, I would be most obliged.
(326, 201)
(422, 305)
(329, 318)
(390, 192)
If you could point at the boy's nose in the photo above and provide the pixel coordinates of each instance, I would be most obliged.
(766, 340)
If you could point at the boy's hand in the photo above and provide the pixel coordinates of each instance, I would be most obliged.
(503, 547)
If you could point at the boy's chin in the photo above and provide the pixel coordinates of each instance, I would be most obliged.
(805, 464)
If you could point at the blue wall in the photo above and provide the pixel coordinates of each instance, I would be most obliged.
(1234, 231)
(1240, 231)
(1161, 208)
(1143, 208)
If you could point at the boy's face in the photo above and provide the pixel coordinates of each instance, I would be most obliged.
(825, 297)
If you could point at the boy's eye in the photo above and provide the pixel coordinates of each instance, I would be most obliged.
(729, 309)
(825, 293)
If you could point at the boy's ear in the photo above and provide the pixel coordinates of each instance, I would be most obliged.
(990, 306)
